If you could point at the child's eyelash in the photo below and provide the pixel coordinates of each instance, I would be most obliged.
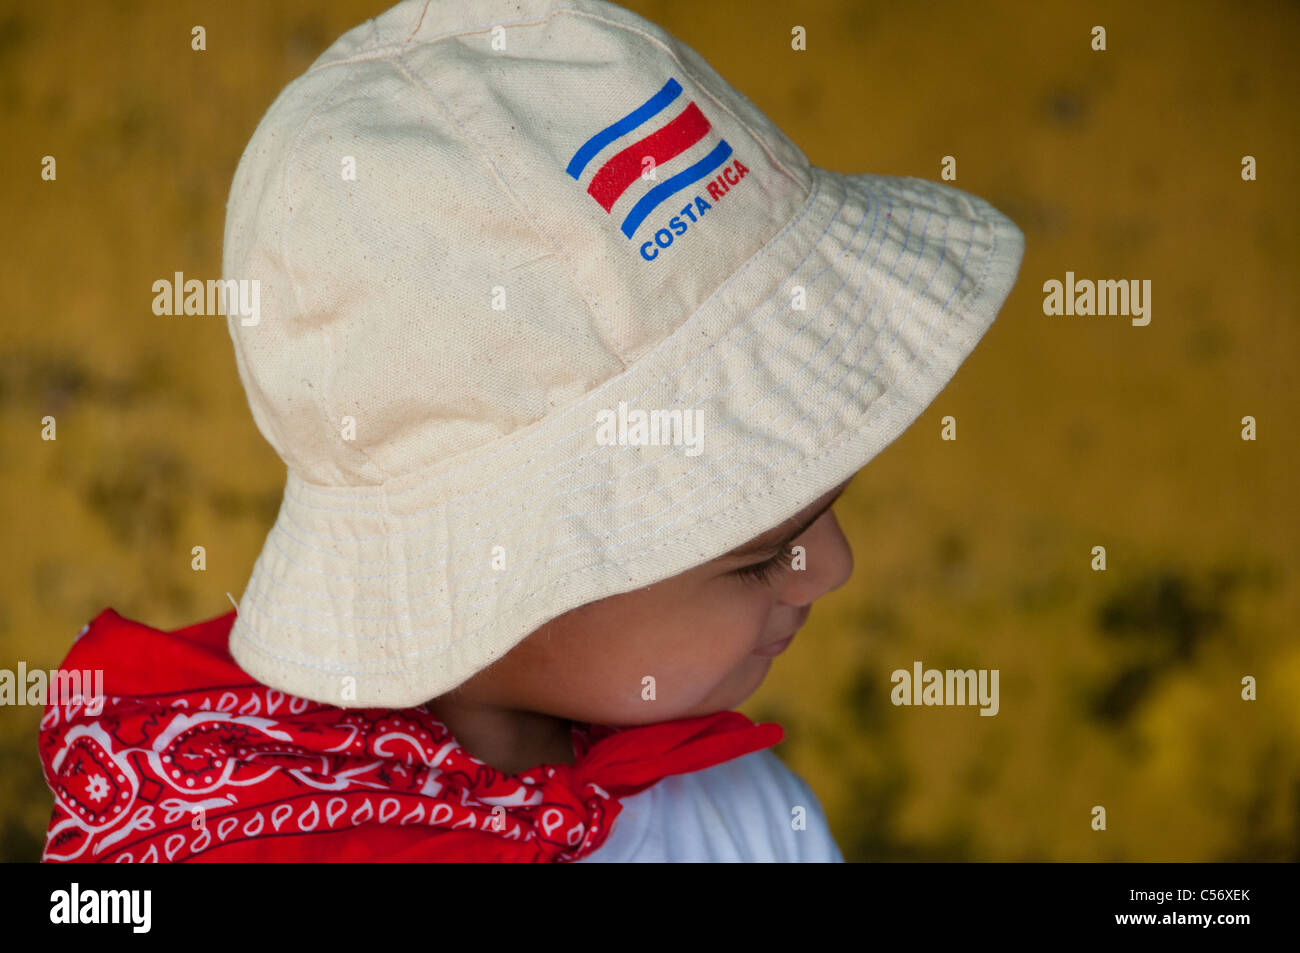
(762, 572)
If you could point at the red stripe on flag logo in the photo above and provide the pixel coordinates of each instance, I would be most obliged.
(622, 170)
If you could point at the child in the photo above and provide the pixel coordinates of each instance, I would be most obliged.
(568, 350)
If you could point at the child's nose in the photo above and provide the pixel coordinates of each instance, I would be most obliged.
(827, 562)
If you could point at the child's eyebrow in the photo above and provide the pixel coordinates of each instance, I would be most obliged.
(758, 547)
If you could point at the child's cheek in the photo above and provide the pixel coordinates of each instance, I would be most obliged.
(693, 646)
(726, 624)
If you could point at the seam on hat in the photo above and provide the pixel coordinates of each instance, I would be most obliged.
(696, 80)
(419, 22)
(591, 300)
(321, 401)
(386, 52)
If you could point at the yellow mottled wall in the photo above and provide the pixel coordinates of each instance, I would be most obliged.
(1118, 688)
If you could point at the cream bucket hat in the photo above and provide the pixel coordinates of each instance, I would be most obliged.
(550, 312)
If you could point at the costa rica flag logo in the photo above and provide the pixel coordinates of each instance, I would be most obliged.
(627, 172)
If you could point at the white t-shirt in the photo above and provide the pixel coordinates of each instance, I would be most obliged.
(738, 811)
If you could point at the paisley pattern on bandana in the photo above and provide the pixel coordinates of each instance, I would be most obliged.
(186, 758)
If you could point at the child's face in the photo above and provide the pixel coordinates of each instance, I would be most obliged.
(707, 637)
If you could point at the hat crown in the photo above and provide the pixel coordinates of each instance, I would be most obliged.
(465, 216)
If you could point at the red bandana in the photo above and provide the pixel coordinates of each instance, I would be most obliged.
(186, 758)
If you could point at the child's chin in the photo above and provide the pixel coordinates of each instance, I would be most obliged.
(728, 694)
(743, 683)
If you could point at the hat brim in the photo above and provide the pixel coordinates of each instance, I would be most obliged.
(390, 596)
